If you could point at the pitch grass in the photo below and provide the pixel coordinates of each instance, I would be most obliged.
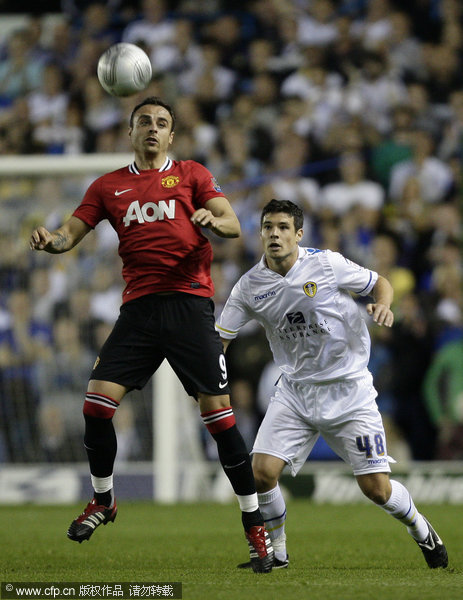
(337, 553)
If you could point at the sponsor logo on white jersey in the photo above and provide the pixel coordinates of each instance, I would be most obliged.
(264, 296)
(298, 327)
(149, 212)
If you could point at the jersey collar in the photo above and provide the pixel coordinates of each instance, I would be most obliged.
(165, 167)
(263, 265)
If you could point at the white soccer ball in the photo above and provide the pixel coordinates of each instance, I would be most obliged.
(124, 69)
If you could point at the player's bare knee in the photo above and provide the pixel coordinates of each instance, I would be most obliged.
(376, 488)
(265, 480)
(378, 496)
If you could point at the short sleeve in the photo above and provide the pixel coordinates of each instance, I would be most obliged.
(91, 210)
(206, 186)
(351, 276)
(234, 314)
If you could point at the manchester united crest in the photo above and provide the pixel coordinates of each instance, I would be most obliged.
(170, 181)
(310, 288)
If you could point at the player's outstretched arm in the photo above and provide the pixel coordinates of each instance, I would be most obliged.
(62, 239)
(225, 343)
(383, 295)
(219, 217)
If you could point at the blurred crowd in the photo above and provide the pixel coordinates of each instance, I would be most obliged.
(352, 108)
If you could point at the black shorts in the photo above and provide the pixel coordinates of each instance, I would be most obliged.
(178, 327)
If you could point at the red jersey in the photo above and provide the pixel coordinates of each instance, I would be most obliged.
(161, 249)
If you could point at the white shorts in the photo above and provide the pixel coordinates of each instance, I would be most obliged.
(344, 413)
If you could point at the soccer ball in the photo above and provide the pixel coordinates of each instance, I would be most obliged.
(124, 69)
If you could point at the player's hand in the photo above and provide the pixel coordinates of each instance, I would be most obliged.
(382, 314)
(40, 238)
(204, 218)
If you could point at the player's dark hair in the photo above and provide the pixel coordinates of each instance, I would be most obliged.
(156, 102)
(284, 206)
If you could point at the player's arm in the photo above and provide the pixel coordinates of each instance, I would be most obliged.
(219, 217)
(62, 239)
(383, 294)
(225, 343)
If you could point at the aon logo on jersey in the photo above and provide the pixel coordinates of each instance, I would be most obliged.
(149, 212)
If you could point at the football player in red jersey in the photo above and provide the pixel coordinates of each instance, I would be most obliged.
(157, 207)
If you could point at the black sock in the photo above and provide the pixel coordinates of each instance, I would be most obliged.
(249, 519)
(104, 498)
(235, 460)
(101, 446)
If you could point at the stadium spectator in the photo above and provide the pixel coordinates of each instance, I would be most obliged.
(317, 26)
(178, 57)
(97, 25)
(374, 91)
(227, 34)
(384, 259)
(289, 57)
(245, 115)
(190, 119)
(19, 72)
(325, 389)
(168, 313)
(435, 177)
(212, 83)
(84, 65)
(374, 28)
(63, 44)
(443, 72)
(263, 91)
(411, 347)
(60, 374)
(102, 112)
(344, 54)
(452, 140)
(152, 28)
(353, 189)
(105, 292)
(395, 146)
(76, 307)
(260, 57)
(320, 89)
(426, 116)
(443, 392)
(48, 104)
(23, 341)
(288, 180)
(403, 49)
(16, 129)
(44, 295)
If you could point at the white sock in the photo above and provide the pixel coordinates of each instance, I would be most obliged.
(401, 506)
(102, 485)
(248, 503)
(273, 508)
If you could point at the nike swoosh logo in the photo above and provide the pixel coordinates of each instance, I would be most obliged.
(117, 193)
(222, 385)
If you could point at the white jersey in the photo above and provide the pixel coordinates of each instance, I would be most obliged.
(315, 328)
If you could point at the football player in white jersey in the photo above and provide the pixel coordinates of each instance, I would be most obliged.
(320, 342)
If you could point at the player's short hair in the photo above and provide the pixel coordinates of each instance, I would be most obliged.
(156, 101)
(284, 206)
